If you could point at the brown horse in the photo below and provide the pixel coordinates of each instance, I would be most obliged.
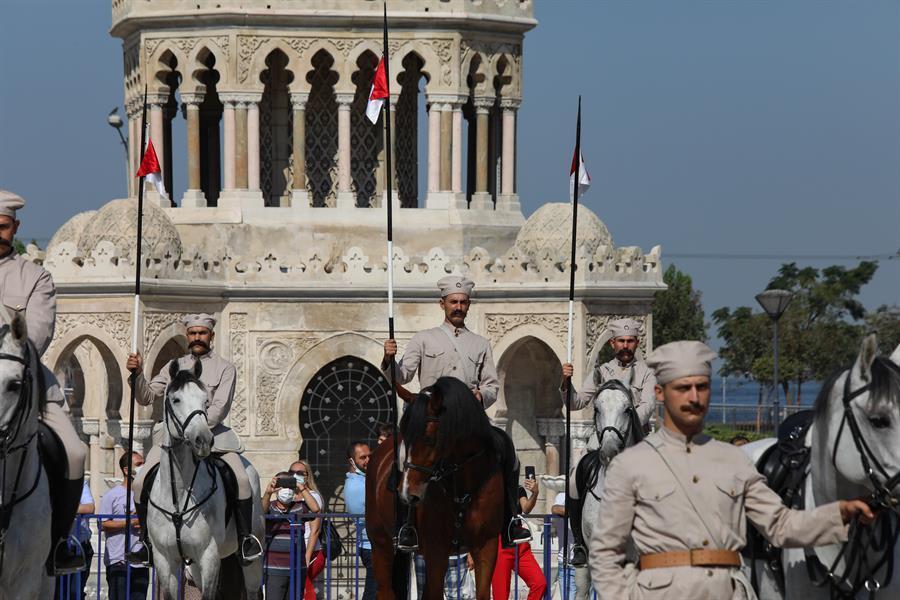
(449, 473)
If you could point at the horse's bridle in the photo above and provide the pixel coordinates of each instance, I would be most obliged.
(180, 426)
(11, 431)
(636, 428)
(441, 469)
(882, 494)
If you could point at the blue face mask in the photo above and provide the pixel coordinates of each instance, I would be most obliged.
(300, 479)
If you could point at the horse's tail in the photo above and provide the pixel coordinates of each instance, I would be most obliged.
(400, 575)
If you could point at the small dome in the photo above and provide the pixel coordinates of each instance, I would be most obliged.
(548, 232)
(71, 230)
(116, 222)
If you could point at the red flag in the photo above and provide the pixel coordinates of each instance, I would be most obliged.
(378, 93)
(150, 169)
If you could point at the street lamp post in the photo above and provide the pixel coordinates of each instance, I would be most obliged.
(115, 121)
(775, 302)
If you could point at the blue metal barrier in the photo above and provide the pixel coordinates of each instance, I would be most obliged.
(345, 571)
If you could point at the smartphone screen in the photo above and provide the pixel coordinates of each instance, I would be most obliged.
(286, 482)
(529, 473)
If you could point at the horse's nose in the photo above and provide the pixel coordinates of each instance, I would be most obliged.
(203, 444)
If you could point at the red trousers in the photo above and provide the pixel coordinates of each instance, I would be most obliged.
(316, 566)
(529, 571)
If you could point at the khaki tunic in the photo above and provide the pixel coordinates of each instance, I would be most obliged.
(642, 384)
(27, 287)
(642, 500)
(432, 355)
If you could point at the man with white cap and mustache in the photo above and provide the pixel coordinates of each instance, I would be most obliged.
(451, 350)
(218, 376)
(28, 289)
(684, 500)
(626, 368)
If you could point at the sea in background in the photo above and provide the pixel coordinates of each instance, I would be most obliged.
(736, 403)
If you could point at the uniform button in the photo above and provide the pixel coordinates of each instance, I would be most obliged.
(709, 573)
(688, 449)
(696, 479)
(454, 368)
(706, 542)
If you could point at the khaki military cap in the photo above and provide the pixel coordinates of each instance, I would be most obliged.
(624, 328)
(453, 284)
(199, 320)
(10, 203)
(681, 359)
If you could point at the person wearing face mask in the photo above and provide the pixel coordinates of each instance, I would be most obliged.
(358, 453)
(218, 377)
(281, 501)
(625, 366)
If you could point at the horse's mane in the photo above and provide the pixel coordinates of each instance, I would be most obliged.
(885, 385)
(461, 417)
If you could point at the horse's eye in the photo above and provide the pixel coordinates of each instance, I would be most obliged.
(880, 422)
(176, 400)
(14, 386)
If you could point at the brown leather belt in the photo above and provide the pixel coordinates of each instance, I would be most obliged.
(691, 558)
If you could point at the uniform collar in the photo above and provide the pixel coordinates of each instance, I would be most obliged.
(627, 365)
(9, 257)
(666, 437)
(206, 356)
(457, 331)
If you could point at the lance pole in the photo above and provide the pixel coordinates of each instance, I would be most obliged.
(135, 327)
(568, 462)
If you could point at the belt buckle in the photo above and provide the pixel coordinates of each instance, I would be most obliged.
(694, 556)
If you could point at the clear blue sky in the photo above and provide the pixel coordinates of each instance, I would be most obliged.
(709, 127)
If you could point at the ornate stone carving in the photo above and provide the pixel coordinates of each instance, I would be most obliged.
(444, 51)
(154, 323)
(549, 231)
(247, 46)
(275, 358)
(345, 46)
(237, 325)
(116, 325)
(299, 45)
(150, 47)
(222, 42)
(596, 324)
(497, 325)
(185, 45)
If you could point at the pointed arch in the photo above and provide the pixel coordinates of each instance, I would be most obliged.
(259, 62)
(431, 64)
(351, 64)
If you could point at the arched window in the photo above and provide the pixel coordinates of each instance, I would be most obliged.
(345, 400)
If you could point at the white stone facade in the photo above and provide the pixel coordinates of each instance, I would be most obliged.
(299, 284)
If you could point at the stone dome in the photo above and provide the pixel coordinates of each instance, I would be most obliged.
(548, 232)
(71, 230)
(116, 222)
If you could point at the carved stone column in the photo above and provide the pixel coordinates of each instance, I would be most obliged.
(553, 431)
(434, 148)
(253, 144)
(508, 199)
(157, 104)
(299, 192)
(456, 167)
(345, 197)
(481, 199)
(134, 140)
(393, 141)
(193, 195)
(446, 147)
(237, 116)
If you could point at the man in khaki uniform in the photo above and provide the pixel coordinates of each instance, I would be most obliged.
(451, 350)
(28, 288)
(626, 368)
(218, 376)
(683, 498)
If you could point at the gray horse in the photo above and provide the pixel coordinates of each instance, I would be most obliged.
(24, 494)
(186, 518)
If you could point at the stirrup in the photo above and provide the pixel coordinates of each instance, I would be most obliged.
(248, 555)
(579, 556)
(407, 539)
(142, 557)
(518, 523)
(72, 562)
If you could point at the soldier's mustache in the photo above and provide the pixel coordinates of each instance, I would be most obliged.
(200, 343)
(5, 242)
(692, 407)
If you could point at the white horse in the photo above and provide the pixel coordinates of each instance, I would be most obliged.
(186, 518)
(854, 452)
(24, 492)
(617, 428)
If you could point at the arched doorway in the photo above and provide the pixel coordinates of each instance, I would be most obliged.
(345, 400)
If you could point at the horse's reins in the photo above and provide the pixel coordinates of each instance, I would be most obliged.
(859, 572)
(178, 516)
(9, 435)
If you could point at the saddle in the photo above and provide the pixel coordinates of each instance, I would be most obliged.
(784, 465)
(53, 453)
(229, 482)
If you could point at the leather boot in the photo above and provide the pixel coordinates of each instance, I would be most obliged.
(250, 548)
(579, 551)
(143, 556)
(66, 555)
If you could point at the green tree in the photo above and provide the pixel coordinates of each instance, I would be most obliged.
(18, 246)
(818, 334)
(885, 321)
(677, 311)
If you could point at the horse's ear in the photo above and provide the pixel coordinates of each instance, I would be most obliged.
(895, 356)
(862, 368)
(198, 368)
(19, 327)
(173, 369)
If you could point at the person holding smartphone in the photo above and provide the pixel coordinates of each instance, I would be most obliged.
(529, 570)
